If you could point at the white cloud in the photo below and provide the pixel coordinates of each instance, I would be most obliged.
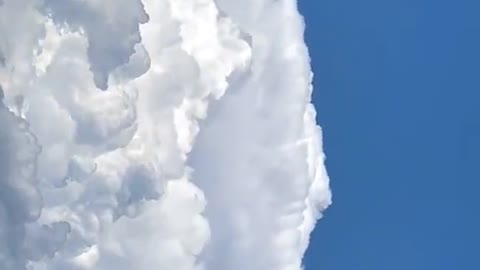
(202, 153)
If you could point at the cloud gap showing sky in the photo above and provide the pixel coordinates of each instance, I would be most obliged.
(157, 134)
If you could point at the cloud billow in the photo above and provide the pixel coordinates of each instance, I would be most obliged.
(202, 151)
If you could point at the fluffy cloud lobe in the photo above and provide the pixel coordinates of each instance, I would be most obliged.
(156, 134)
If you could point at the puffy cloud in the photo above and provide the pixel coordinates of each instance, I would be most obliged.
(202, 151)
(20, 198)
(258, 159)
(111, 26)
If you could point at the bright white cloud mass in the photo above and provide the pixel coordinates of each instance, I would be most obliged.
(156, 134)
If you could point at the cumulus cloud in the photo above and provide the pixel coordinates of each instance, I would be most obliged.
(202, 151)
(110, 26)
(20, 198)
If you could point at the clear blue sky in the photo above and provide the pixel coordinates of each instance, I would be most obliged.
(397, 90)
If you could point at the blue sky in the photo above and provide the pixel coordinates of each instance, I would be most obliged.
(397, 90)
